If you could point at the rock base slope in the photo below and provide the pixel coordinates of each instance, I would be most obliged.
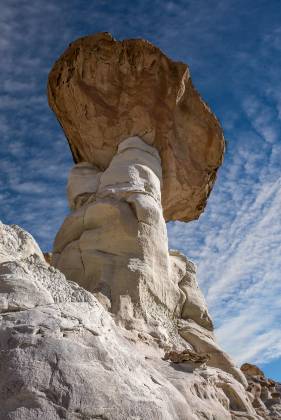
(62, 356)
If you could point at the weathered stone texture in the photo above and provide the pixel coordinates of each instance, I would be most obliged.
(104, 91)
(116, 246)
(265, 393)
(62, 356)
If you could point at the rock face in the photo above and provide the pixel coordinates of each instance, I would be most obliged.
(264, 393)
(104, 91)
(62, 356)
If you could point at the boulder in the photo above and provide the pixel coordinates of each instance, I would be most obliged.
(104, 91)
(251, 370)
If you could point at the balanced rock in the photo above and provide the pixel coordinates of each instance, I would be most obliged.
(121, 331)
(147, 149)
(104, 91)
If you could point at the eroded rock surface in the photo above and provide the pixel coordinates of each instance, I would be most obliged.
(115, 244)
(62, 356)
(265, 393)
(115, 241)
(104, 91)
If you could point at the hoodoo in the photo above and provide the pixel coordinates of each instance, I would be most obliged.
(112, 325)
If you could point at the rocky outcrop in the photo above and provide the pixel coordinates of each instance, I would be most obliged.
(194, 306)
(264, 393)
(104, 91)
(62, 356)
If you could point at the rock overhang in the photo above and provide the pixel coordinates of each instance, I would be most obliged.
(104, 91)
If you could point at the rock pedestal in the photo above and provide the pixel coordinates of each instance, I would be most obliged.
(147, 149)
(115, 245)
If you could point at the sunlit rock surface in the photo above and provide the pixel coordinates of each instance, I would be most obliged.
(62, 356)
(116, 242)
(104, 91)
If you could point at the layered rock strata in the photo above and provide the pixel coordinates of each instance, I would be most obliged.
(62, 356)
(104, 91)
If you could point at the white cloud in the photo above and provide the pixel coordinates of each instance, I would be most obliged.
(237, 242)
(237, 247)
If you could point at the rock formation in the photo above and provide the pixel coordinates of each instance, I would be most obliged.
(117, 327)
(104, 91)
(264, 393)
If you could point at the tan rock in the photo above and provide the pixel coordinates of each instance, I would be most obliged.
(48, 257)
(187, 356)
(251, 370)
(264, 392)
(104, 91)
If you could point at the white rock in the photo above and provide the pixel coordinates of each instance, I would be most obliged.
(136, 168)
(203, 341)
(15, 242)
(83, 179)
(116, 246)
(194, 306)
(63, 356)
(117, 243)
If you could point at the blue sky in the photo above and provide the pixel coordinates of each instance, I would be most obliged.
(233, 48)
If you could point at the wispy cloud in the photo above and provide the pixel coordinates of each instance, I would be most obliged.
(236, 243)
